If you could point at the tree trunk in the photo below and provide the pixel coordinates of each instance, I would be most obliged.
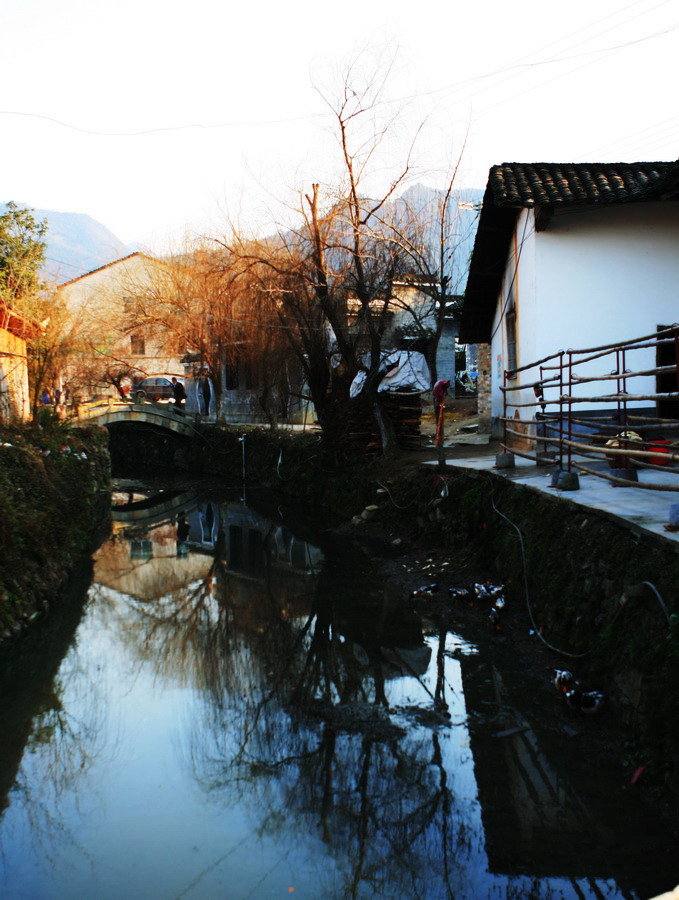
(385, 427)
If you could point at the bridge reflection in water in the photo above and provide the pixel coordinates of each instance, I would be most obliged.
(164, 542)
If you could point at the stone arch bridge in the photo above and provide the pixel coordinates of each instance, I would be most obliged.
(163, 416)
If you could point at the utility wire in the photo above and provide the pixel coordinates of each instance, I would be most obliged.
(451, 87)
(518, 67)
(609, 52)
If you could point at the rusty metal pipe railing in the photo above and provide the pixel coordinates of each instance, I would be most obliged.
(554, 380)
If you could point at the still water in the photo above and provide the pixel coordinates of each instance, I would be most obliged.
(242, 711)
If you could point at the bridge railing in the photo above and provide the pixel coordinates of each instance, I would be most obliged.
(91, 408)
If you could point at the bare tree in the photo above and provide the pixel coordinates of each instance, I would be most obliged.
(434, 235)
(332, 276)
(208, 304)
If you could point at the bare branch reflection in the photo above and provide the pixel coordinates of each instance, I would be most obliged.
(295, 721)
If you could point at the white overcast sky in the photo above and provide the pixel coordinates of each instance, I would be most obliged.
(155, 116)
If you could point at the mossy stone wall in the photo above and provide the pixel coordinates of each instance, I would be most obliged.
(54, 510)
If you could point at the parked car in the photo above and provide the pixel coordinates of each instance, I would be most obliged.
(153, 388)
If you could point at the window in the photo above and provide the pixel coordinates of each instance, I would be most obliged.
(510, 325)
(231, 374)
(137, 345)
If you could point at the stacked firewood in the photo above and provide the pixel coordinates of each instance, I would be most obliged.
(404, 410)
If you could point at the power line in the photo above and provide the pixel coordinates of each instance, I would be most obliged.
(659, 131)
(609, 52)
(163, 128)
(63, 262)
(520, 65)
(512, 68)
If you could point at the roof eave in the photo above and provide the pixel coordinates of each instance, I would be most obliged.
(489, 259)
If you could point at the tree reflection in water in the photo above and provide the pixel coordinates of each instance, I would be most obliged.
(332, 733)
(60, 749)
(294, 722)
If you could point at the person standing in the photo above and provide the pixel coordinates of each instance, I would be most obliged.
(178, 393)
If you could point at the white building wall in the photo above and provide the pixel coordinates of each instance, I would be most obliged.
(99, 298)
(595, 276)
(520, 275)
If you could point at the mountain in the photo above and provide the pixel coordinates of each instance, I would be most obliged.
(462, 220)
(76, 243)
(416, 213)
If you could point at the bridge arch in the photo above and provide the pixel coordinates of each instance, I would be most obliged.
(161, 416)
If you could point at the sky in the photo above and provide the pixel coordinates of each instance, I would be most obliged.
(161, 118)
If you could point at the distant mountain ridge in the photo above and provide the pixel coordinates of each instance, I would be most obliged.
(417, 211)
(76, 243)
(462, 220)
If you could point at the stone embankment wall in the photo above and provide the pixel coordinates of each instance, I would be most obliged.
(54, 511)
(602, 591)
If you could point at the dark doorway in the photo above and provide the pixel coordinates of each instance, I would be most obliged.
(667, 354)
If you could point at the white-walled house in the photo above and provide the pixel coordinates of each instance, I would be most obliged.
(414, 315)
(105, 301)
(572, 256)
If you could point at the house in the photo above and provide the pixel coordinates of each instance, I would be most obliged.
(411, 321)
(414, 324)
(114, 348)
(15, 330)
(568, 256)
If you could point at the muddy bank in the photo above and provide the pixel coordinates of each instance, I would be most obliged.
(54, 511)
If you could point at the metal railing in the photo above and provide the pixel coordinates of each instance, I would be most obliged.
(567, 423)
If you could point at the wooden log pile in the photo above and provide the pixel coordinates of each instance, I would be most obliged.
(404, 408)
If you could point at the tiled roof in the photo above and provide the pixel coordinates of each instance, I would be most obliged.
(548, 184)
(114, 262)
(515, 186)
(17, 324)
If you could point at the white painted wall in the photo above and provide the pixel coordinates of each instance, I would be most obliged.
(594, 276)
(520, 273)
(99, 299)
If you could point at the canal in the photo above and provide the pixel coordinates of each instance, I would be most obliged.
(230, 705)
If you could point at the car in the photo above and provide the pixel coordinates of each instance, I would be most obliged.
(153, 388)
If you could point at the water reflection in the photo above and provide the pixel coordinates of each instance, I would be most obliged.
(47, 749)
(244, 713)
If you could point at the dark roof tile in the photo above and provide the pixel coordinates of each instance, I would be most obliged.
(549, 184)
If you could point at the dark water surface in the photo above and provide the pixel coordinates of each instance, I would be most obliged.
(241, 714)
